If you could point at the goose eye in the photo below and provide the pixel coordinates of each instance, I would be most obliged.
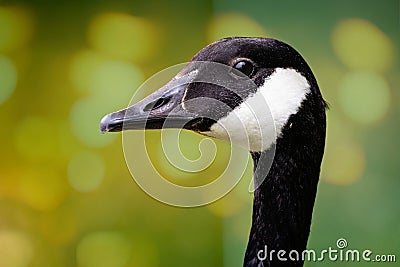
(245, 67)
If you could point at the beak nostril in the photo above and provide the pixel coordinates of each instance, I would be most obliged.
(157, 103)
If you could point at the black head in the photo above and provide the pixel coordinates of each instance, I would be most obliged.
(215, 91)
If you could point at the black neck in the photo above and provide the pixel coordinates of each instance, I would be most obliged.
(283, 203)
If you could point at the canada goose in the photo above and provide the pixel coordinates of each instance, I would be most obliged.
(284, 200)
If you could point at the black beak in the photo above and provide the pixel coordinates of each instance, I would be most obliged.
(162, 109)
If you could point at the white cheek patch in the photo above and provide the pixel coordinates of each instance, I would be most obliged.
(258, 121)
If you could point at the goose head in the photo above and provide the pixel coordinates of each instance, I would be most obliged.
(244, 90)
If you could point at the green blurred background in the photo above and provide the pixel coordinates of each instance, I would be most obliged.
(66, 195)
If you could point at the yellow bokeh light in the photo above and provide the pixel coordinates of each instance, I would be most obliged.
(364, 97)
(360, 45)
(15, 28)
(115, 82)
(8, 78)
(36, 139)
(234, 24)
(42, 189)
(82, 68)
(91, 73)
(81, 174)
(344, 163)
(123, 36)
(94, 74)
(103, 249)
(85, 118)
(16, 249)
